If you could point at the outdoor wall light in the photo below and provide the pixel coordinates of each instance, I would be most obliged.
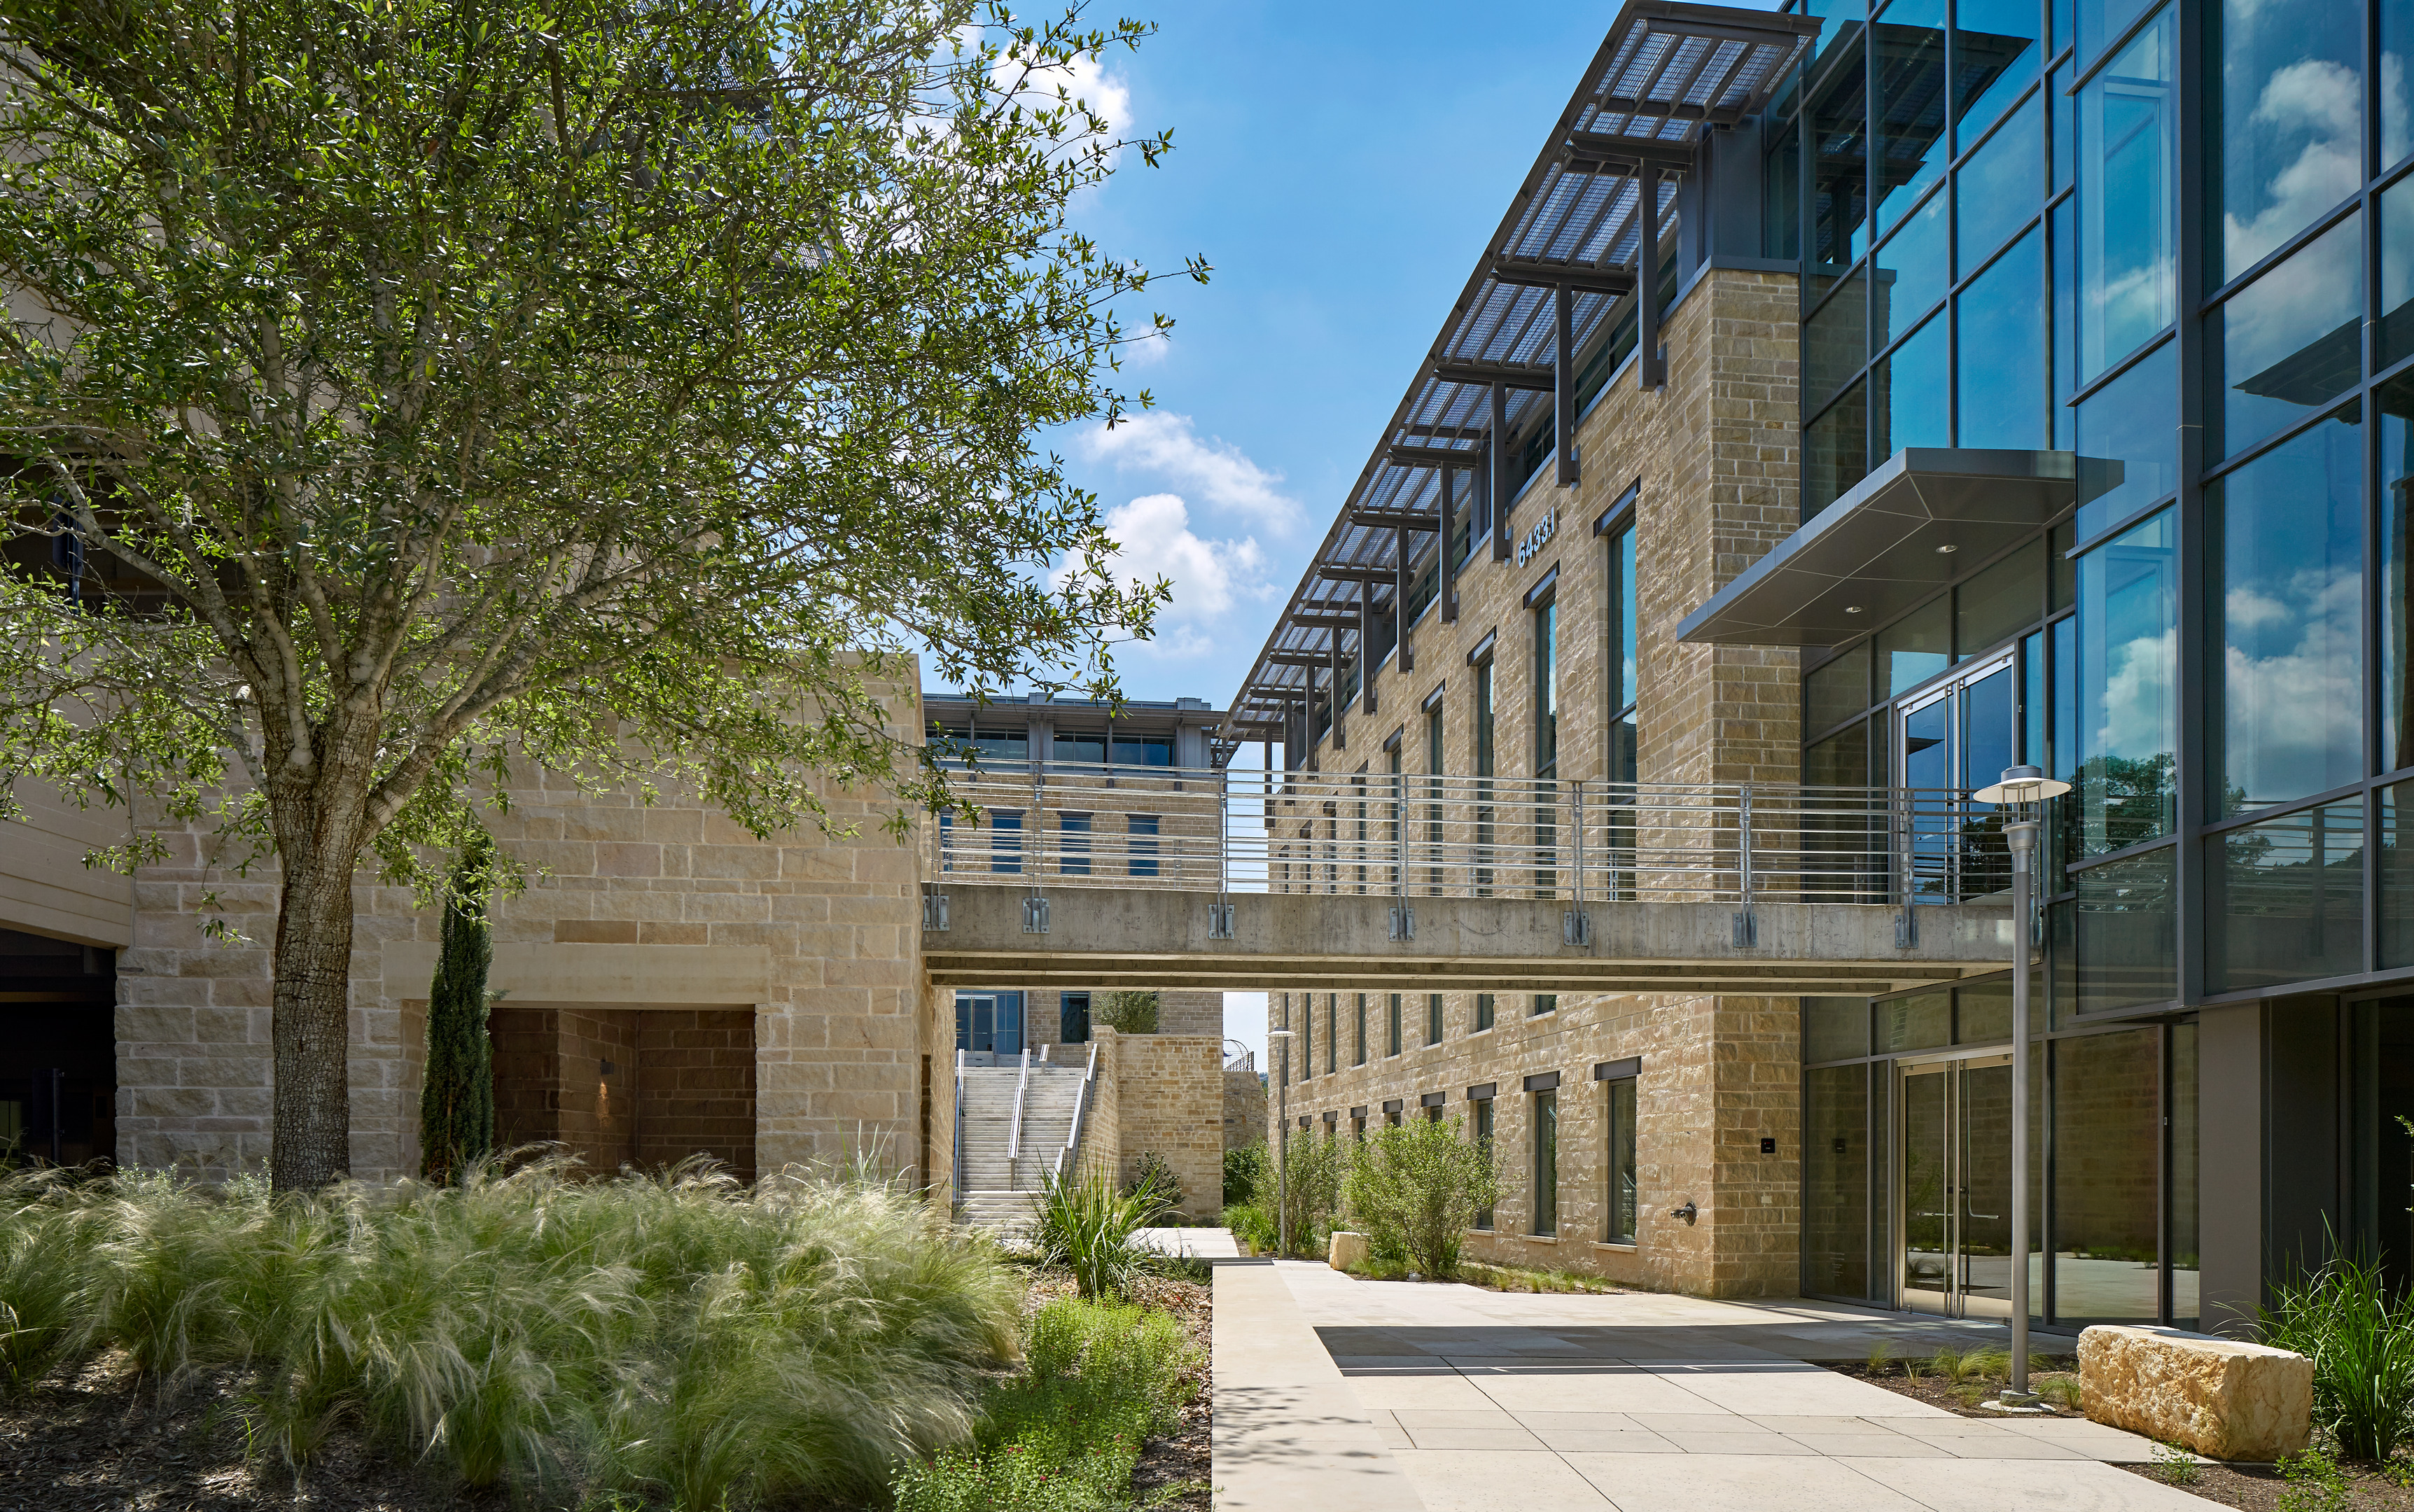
(1946, 550)
(1687, 1212)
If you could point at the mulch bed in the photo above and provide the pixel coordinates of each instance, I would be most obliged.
(102, 1439)
(1954, 1396)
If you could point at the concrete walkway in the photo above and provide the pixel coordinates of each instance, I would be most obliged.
(1334, 1394)
(1200, 1243)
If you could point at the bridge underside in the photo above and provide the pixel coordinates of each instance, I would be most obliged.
(1106, 938)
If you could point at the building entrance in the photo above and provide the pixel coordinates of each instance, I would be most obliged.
(1953, 1180)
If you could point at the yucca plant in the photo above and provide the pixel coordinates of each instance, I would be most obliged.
(1085, 1224)
(2360, 1340)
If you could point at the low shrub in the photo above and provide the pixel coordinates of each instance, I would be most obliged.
(1253, 1224)
(1085, 1224)
(1065, 1435)
(1245, 1169)
(675, 1337)
(2360, 1340)
(1307, 1190)
(1415, 1189)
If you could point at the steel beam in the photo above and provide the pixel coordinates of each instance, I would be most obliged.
(1449, 585)
(1366, 643)
(1429, 456)
(1500, 374)
(1563, 399)
(1495, 470)
(1602, 147)
(1528, 274)
(1396, 519)
(1652, 372)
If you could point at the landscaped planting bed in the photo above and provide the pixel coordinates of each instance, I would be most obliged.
(539, 1340)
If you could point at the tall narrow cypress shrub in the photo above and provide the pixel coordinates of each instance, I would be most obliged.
(456, 1101)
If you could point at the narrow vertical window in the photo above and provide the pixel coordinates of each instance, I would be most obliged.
(1484, 1012)
(1306, 1035)
(1623, 685)
(1432, 1018)
(1142, 845)
(1394, 1041)
(1547, 748)
(1546, 1162)
(1005, 840)
(1332, 1032)
(1483, 771)
(1360, 1059)
(1620, 1227)
(1544, 1002)
(1482, 1130)
(1434, 798)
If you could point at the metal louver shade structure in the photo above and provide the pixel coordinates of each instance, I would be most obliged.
(1543, 314)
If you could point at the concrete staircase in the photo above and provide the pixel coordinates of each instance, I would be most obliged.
(994, 1190)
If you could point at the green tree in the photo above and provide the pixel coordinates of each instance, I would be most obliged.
(1125, 1012)
(1416, 1190)
(456, 1099)
(423, 392)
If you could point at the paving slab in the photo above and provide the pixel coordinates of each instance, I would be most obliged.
(1449, 1399)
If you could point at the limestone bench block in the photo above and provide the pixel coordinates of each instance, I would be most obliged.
(1349, 1251)
(2221, 1398)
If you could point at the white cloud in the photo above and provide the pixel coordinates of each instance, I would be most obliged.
(1146, 350)
(2323, 101)
(1219, 473)
(1153, 540)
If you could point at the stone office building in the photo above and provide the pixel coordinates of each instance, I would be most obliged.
(2034, 390)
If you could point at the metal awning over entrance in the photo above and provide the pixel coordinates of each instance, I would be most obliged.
(1904, 532)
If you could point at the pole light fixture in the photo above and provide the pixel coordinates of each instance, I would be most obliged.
(1282, 1144)
(2021, 794)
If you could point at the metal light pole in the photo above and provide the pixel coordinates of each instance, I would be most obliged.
(2019, 787)
(1282, 1140)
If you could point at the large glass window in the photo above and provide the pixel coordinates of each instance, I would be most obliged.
(1913, 270)
(2127, 927)
(2290, 138)
(1838, 690)
(1922, 1021)
(1915, 383)
(2291, 532)
(1910, 122)
(1834, 340)
(2292, 340)
(2128, 203)
(2395, 401)
(1834, 1028)
(2288, 899)
(2395, 913)
(2107, 1165)
(2392, 332)
(1999, 187)
(2001, 371)
(1995, 55)
(1837, 446)
(2185, 1262)
(1546, 1162)
(1839, 139)
(2099, 24)
(2133, 420)
(1916, 647)
(1620, 1229)
(2005, 598)
(2128, 663)
(2396, 79)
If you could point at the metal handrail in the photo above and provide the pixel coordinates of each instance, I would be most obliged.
(955, 1176)
(1080, 1112)
(1014, 1129)
(1409, 836)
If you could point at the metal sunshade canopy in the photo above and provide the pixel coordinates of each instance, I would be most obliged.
(1574, 232)
(1882, 548)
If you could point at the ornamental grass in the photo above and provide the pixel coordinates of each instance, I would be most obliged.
(679, 1339)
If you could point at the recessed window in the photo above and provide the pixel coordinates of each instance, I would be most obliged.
(1620, 1227)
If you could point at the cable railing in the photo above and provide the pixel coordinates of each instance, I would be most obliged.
(1408, 835)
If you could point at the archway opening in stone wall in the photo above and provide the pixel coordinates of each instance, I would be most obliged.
(627, 1086)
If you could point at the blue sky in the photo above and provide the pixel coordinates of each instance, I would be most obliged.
(1342, 166)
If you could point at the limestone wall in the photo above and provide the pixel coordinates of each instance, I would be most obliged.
(1715, 453)
(630, 906)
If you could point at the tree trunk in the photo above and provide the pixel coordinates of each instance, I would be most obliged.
(310, 1141)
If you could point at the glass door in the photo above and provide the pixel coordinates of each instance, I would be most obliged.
(1954, 1181)
(1950, 740)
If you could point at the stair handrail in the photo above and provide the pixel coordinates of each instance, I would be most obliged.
(1080, 1111)
(1014, 1130)
(956, 1176)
